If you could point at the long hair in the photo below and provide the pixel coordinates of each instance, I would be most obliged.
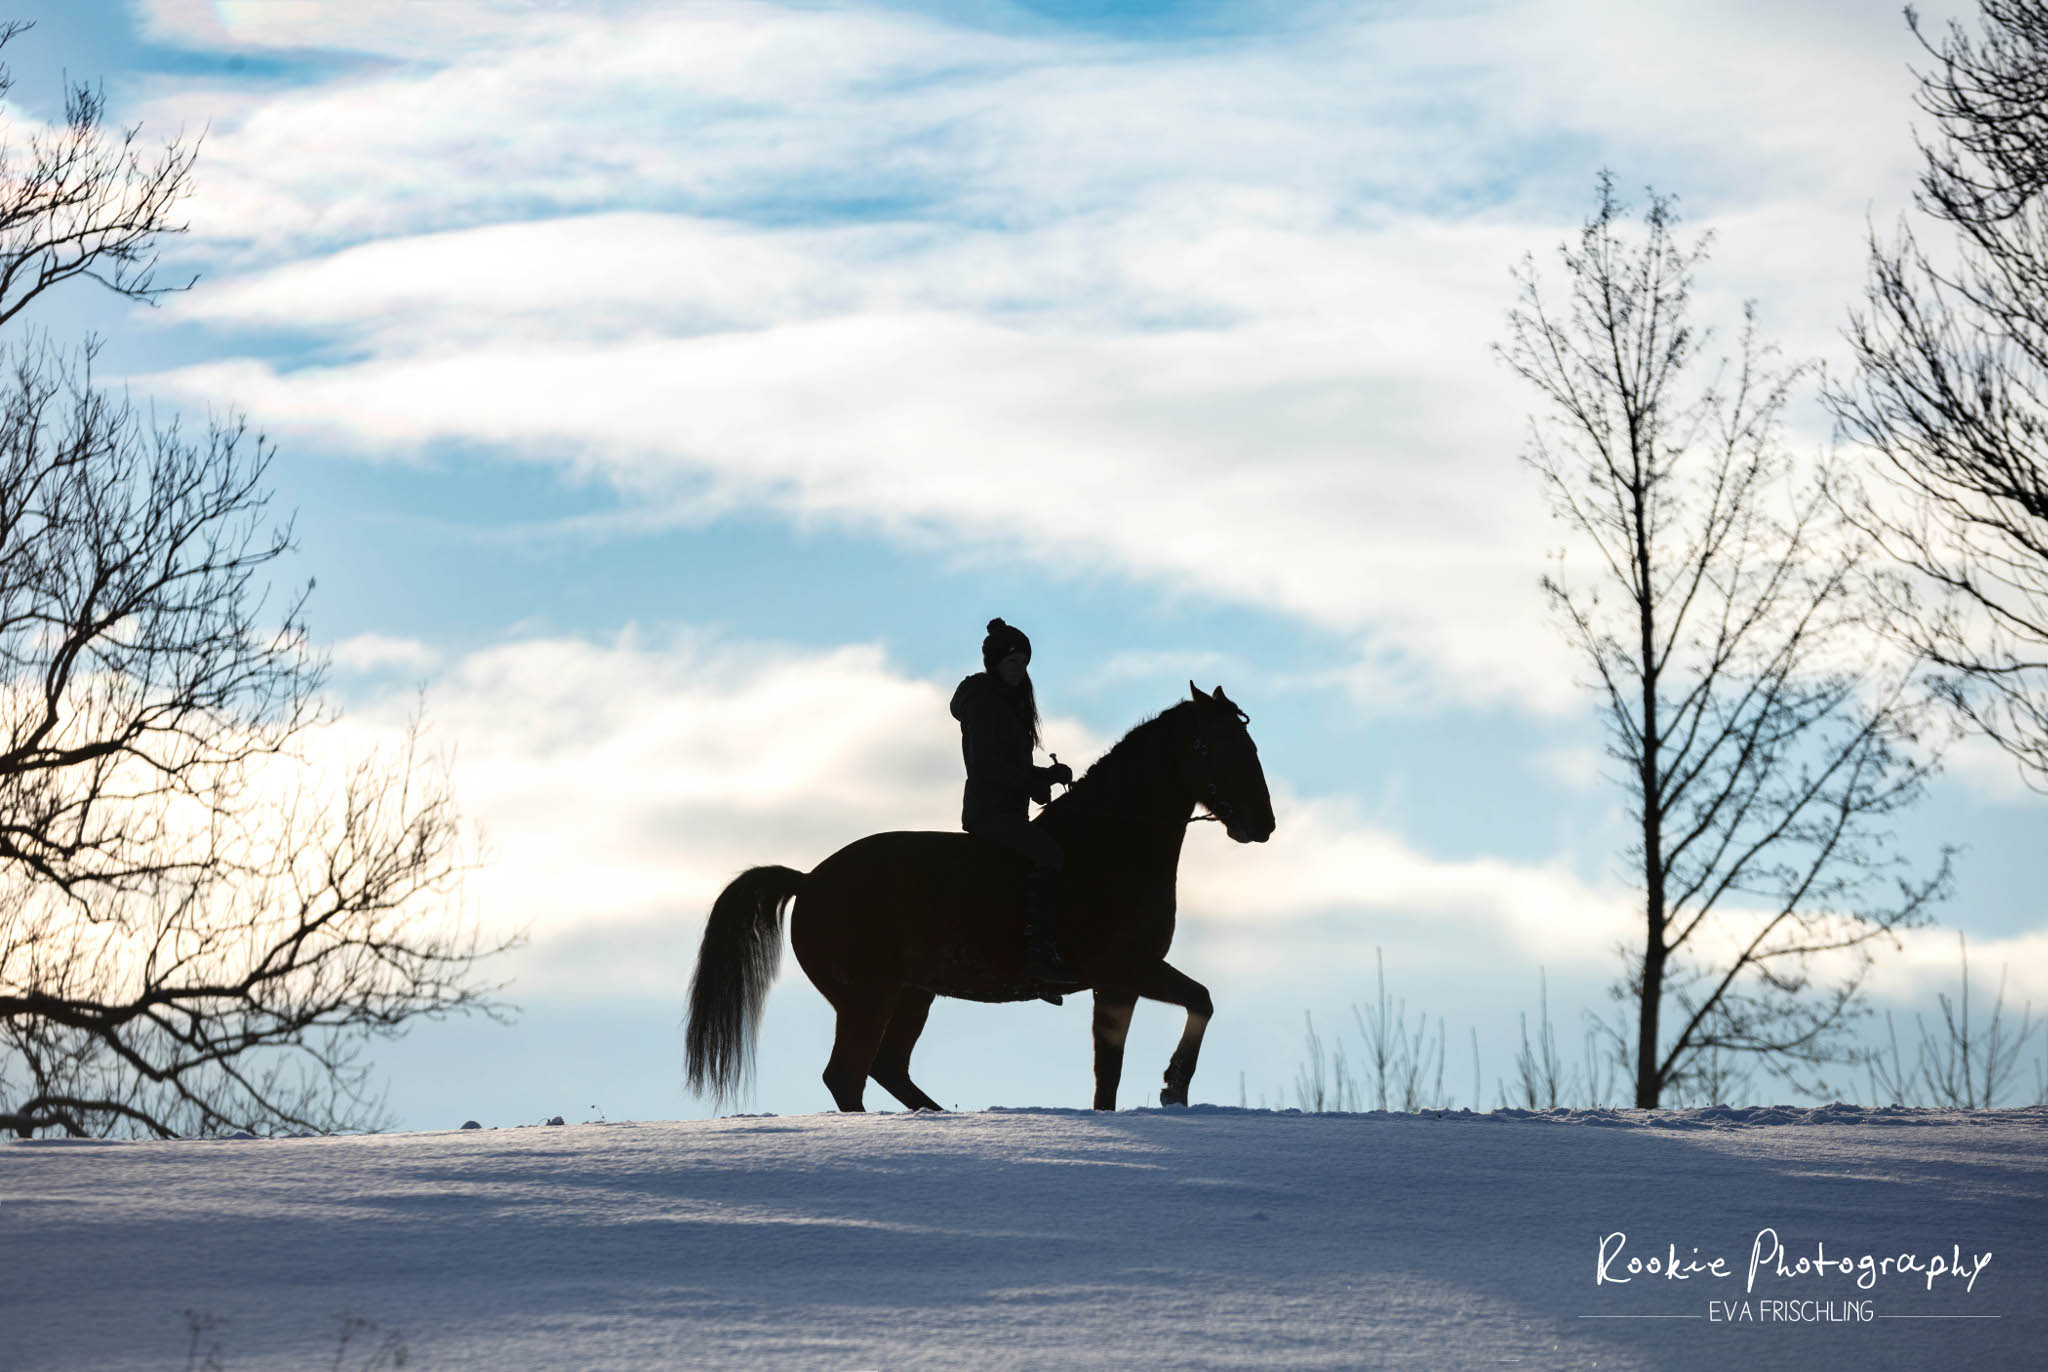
(1021, 697)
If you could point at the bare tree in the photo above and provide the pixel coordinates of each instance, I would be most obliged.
(1542, 1080)
(1320, 1084)
(1950, 393)
(1398, 1069)
(203, 914)
(79, 200)
(1762, 740)
(1968, 1065)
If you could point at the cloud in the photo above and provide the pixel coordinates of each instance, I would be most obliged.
(1326, 859)
(496, 116)
(1324, 460)
(763, 108)
(379, 652)
(620, 785)
(388, 28)
(1582, 767)
(1988, 772)
(1929, 962)
(630, 781)
(1123, 667)
(1203, 315)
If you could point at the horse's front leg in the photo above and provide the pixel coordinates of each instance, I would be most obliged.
(1162, 981)
(1112, 1023)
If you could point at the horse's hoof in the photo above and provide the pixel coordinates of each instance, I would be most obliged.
(1171, 1097)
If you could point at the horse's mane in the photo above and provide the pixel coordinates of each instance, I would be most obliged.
(1117, 772)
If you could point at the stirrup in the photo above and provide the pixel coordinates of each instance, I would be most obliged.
(1045, 966)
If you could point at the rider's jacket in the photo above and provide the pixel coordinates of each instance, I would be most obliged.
(995, 743)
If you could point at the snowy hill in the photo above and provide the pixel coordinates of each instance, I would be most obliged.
(1207, 1237)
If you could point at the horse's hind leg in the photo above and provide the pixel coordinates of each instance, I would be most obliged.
(1164, 982)
(891, 1069)
(853, 1051)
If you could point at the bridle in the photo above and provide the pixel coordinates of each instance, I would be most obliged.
(1221, 810)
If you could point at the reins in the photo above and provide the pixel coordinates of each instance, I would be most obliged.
(1221, 810)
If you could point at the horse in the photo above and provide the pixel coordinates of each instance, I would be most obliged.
(894, 919)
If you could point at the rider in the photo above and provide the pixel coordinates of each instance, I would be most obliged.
(998, 714)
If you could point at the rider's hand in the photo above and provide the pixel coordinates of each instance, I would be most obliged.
(1060, 773)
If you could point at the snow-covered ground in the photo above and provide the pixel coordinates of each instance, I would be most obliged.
(1207, 1237)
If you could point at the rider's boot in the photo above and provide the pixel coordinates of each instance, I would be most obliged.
(1042, 931)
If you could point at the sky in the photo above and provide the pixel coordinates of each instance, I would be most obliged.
(669, 394)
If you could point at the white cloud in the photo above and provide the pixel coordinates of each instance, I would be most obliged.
(380, 652)
(1079, 452)
(627, 782)
(620, 786)
(511, 105)
(1582, 767)
(497, 116)
(1988, 772)
(1326, 459)
(1929, 963)
(1213, 316)
(1327, 858)
(389, 28)
(1123, 667)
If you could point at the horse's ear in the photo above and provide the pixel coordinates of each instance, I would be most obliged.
(1219, 697)
(1196, 691)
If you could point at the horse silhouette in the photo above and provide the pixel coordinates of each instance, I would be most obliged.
(892, 920)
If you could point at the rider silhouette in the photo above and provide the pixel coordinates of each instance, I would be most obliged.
(998, 714)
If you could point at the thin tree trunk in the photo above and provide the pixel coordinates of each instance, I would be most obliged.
(1648, 1079)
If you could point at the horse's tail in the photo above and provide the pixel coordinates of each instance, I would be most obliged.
(735, 967)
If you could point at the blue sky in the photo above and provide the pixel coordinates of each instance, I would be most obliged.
(672, 392)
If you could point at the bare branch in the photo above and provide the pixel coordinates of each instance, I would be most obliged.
(201, 925)
(1950, 394)
(1766, 737)
(82, 200)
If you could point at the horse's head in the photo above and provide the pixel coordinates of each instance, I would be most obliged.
(1222, 768)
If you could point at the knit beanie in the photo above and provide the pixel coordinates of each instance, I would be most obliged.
(1002, 640)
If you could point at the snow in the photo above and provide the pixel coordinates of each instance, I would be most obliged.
(1205, 1237)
